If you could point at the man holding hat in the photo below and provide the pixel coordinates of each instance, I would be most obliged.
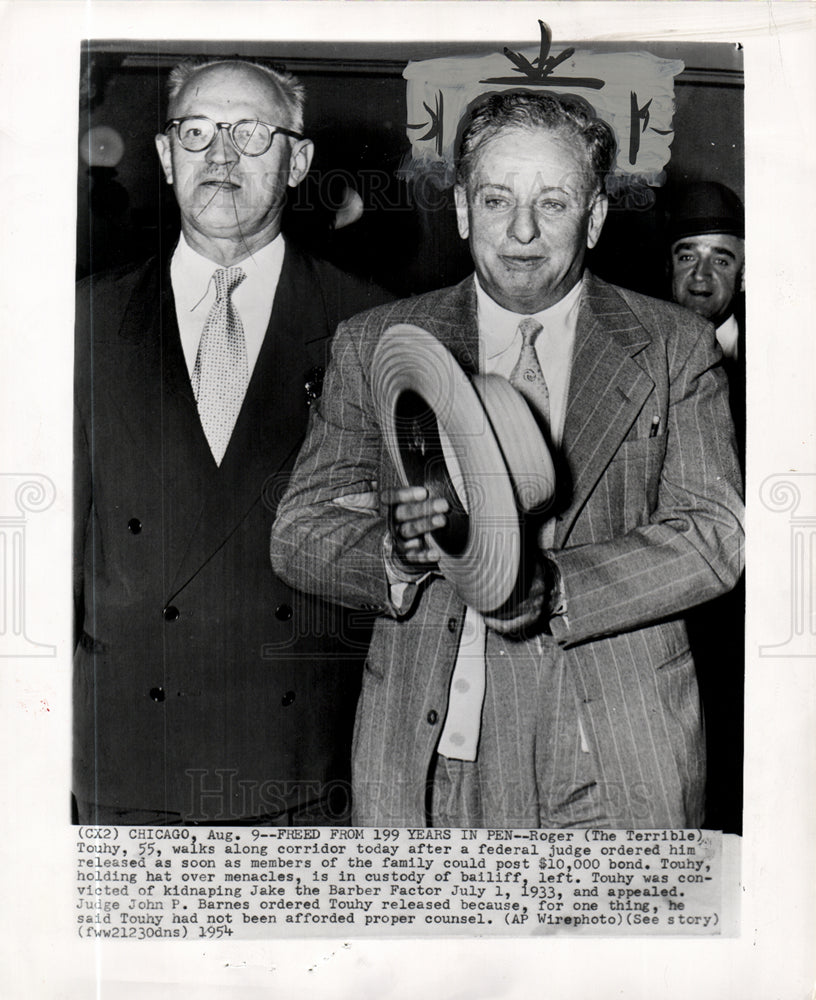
(582, 709)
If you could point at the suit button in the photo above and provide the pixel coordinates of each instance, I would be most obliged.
(157, 694)
(134, 526)
(287, 699)
(283, 612)
(433, 717)
(452, 624)
(170, 613)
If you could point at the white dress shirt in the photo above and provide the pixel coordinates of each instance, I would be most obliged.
(194, 294)
(500, 346)
(727, 334)
(499, 349)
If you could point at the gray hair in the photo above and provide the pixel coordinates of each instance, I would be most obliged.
(567, 115)
(290, 90)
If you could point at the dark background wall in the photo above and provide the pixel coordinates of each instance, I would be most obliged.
(356, 114)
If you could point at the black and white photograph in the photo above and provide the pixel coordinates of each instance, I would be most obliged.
(421, 497)
(557, 687)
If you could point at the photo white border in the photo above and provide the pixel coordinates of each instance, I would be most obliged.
(773, 957)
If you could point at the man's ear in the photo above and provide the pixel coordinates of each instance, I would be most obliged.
(300, 159)
(165, 156)
(462, 219)
(597, 216)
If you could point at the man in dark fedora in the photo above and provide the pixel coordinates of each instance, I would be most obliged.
(706, 234)
(580, 707)
(206, 690)
(706, 237)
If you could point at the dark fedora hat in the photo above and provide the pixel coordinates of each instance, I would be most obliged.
(705, 207)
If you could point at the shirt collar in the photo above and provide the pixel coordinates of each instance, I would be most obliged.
(192, 272)
(498, 326)
(728, 338)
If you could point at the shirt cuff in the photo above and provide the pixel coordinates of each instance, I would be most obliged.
(403, 582)
(559, 622)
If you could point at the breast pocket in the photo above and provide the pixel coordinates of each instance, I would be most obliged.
(632, 480)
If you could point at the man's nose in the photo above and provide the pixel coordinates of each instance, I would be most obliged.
(523, 224)
(221, 150)
(702, 268)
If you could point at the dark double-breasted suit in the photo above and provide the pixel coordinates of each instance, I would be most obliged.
(648, 525)
(203, 684)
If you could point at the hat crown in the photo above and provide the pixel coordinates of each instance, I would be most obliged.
(706, 207)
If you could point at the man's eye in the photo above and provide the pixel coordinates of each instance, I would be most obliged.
(493, 201)
(723, 262)
(685, 258)
(553, 206)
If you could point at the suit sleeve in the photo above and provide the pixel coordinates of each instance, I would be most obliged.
(318, 545)
(690, 548)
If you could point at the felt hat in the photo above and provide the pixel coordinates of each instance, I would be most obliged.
(705, 207)
(472, 441)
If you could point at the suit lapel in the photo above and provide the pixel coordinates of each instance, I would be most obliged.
(607, 387)
(271, 424)
(454, 323)
(272, 420)
(607, 391)
(154, 400)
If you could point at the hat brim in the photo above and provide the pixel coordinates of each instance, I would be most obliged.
(704, 226)
(475, 443)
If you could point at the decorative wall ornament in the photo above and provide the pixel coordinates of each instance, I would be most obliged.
(633, 91)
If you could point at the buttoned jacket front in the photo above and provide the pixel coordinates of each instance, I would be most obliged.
(203, 684)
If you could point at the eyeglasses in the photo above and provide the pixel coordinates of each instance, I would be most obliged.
(250, 138)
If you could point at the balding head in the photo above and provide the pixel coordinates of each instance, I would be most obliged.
(230, 150)
(285, 89)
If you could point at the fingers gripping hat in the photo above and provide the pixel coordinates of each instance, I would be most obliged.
(473, 441)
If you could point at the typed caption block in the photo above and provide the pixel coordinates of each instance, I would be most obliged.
(148, 883)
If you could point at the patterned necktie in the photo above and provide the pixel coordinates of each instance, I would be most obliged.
(221, 372)
(527, 376)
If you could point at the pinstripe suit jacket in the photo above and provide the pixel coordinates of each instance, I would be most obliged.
(650, 524)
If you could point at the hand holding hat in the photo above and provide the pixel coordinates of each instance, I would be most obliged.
(470, 456)
(414, 516)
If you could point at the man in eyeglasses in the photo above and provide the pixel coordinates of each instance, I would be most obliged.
(205, 689)
(230, 182)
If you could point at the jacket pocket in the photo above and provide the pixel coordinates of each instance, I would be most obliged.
(633, 474)
(679, 659)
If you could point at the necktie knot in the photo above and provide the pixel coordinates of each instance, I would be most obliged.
(227, 279)
(529, 329)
